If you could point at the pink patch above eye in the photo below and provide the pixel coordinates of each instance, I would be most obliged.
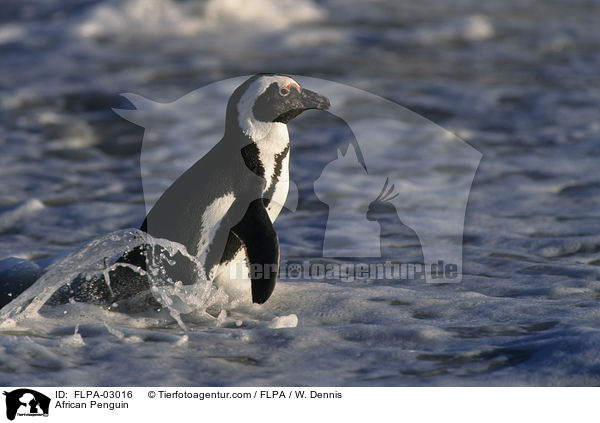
(290, 86)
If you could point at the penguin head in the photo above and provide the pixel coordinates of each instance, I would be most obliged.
(268, 98)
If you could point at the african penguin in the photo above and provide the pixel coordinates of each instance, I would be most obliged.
(222, 209)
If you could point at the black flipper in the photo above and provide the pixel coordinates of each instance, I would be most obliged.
(257, 233)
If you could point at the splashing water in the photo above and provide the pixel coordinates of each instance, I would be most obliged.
(90, 260)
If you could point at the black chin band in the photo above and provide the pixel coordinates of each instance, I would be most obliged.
(287, 116)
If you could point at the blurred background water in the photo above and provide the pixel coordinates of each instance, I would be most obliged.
(519, 81)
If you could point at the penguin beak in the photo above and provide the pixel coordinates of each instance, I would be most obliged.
(312, 100)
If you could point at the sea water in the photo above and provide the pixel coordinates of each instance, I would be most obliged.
(517, 81)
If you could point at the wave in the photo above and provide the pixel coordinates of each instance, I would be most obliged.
(90, 263)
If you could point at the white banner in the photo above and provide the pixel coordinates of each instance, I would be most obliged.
(158, 404)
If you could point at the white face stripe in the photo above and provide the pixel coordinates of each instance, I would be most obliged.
(252, 127)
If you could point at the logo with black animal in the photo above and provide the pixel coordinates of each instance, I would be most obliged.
(374, 186)
(26, 402)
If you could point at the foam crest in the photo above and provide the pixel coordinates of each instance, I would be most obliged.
(166, 17)
(90, 260)
(274, 14)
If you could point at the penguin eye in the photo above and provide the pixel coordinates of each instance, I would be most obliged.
(284, 92)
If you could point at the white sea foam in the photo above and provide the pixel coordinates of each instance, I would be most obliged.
(526, 311)
(290, 321)
(273, 14)
(10, 33)
(26, 210)
(139, 18)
